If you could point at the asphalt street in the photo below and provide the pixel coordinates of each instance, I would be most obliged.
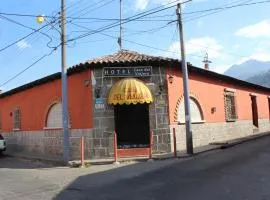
(241, 172)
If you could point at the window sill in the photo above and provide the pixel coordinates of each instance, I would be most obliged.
(197, 122)
(52, 128)
(231, 120)
(16, 129)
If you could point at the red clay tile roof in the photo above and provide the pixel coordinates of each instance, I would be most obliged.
(124, 56)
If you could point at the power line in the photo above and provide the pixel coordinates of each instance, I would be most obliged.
(139, 20)
(136, 33)
(15, 42)
(223, 9)
(115, 19)
(138, 16)
(20, 24)
(97, 19)
(153, 30)
(133, 19)
(24, 15)
(144, 45)
(226, 7)
(159, 49)
(80, 18)
(28, 67)
(95, 8)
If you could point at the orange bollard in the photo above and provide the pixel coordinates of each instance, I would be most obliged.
(82, 151)
(151, 144)
(115, 147)
(174, 143)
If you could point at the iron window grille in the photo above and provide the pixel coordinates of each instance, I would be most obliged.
(17, 119)
(230, 106)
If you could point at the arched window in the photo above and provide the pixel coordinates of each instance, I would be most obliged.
(195, 111)
(54, 116)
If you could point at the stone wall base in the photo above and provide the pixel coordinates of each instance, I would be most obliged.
(204, 134)
(48, 144)
(99, 143)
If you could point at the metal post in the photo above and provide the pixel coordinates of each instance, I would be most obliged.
(151, 144)
(174, 143)
(82, 151)
(64, 84)
(115, 148)
(189, 141)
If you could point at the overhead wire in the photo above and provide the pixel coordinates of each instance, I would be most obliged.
(133, 42)
(115, 19)
(28, 67)
(28, 27)
(92, 7)
(133, 19)
(138, 16)
(24, 37)
(34, 31)
(223, 9)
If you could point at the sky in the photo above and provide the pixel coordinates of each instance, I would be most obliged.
(228, 35)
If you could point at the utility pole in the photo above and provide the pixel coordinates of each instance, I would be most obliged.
(120, 34)
(189, 141)
(64, 84)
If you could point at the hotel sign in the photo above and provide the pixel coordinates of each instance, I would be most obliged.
(140, 71)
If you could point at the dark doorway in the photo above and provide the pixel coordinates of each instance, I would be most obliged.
(254, 111)
(132, 125)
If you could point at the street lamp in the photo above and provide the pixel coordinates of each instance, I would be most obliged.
(40, 19)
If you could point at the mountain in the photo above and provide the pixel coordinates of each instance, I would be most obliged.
(261, 79)
(248, 69)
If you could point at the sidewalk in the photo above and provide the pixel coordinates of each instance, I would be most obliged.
(180, 154)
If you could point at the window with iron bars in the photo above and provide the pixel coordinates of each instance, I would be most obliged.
(17, 119)
(230, 106)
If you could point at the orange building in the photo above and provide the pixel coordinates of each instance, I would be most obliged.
(131, 94)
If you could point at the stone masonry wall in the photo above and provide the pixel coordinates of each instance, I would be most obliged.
(206, 133)
(47, 144)
(158, 111)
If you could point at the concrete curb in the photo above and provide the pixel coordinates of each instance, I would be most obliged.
(247, 139)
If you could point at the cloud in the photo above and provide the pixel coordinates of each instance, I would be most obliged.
(236, 46)
(198, 47)
(23, 44)
(143, 4)
(261, 29)
(260, 55)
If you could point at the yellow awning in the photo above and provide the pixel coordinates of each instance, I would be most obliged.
(129, 91)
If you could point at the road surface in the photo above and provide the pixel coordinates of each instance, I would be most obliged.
(239, 173)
